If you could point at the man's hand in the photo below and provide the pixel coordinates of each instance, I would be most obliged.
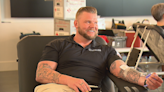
(77, 83)
(154, 81)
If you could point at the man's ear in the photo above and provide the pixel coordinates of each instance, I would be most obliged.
(75, 24)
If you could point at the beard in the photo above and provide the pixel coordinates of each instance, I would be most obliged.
(82, 33)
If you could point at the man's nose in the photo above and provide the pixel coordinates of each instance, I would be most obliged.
(93, 25)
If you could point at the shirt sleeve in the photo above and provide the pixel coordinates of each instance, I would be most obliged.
(112, 56)
(51, 51)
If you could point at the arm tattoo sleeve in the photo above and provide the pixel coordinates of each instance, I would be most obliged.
(113, 66)
(130, 75)
(126, 73)
(45, 72)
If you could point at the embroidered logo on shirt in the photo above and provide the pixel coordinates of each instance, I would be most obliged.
(94, 49)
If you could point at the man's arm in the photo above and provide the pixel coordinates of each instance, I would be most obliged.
(121, 70)
(46, 73)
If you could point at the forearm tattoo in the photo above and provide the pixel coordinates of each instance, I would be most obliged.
(45, 71)
(130, 75)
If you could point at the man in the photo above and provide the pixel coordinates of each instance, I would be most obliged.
(157, 12)
(74, 63)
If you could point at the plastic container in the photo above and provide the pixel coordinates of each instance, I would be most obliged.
(130, 37)
(117, 42)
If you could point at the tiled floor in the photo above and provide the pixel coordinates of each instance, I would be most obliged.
(9, 82)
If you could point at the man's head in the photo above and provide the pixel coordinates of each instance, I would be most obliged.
(86, 23)
(86, 9)
(157, 11)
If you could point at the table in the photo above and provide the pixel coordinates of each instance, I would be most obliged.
(127, 49)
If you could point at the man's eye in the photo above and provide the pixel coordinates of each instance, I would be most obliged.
(88, 22)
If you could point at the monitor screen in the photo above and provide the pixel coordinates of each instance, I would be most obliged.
(106, 32)
(31, 8)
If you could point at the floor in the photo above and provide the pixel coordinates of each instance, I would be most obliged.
(9, 82)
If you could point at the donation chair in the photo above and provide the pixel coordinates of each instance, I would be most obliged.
(152, 37)
(29, 50)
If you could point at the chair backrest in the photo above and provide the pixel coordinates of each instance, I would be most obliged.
(155, 40)
(30, 50)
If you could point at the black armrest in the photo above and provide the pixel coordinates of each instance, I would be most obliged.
(125, 86)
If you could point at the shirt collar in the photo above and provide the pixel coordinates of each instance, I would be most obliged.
(162, 27)
(92, 44)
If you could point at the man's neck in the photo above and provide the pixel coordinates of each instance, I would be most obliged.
(82, 41)
(160, 23)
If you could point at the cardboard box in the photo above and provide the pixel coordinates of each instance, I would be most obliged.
(66, 27)
(101, 23)
(66, 9)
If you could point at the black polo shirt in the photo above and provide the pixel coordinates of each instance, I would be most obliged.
(88, 63)
(162, 27)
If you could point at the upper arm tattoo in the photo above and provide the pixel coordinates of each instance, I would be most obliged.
(45, 71)
(113, 66)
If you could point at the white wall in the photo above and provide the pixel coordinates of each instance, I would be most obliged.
(10, 32)
(129, 20)
(9, 37)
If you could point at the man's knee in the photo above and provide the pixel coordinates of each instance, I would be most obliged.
(53, 87)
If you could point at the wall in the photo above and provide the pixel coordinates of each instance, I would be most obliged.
(9, 37)
(129, 20)
(10, 32)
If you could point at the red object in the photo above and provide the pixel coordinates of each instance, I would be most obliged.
(104, 37)
(130, 37)
(57, 34)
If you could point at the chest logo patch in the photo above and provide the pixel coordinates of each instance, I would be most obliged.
(94, 49)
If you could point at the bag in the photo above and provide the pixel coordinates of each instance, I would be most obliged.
(119, 25)
(23, 35)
